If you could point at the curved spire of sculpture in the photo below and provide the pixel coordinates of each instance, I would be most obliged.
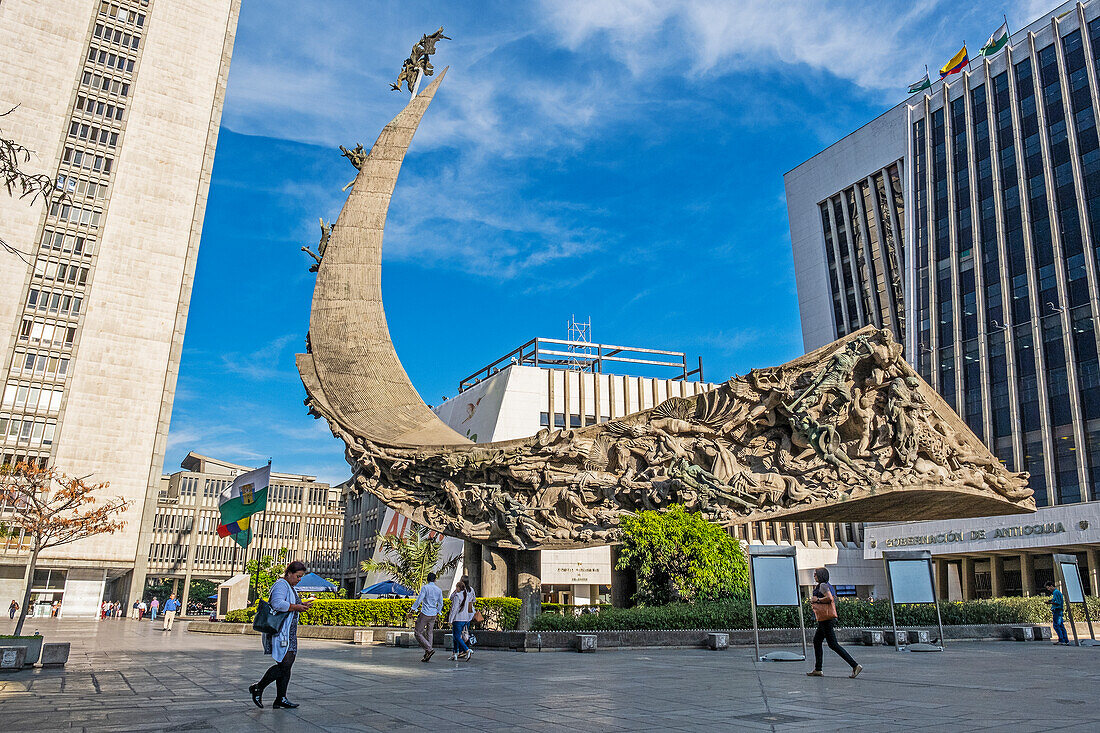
(354, 364)
(849, 432)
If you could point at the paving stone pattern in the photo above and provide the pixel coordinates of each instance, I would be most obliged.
(130, 676)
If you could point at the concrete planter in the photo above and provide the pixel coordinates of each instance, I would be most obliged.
(12, 658)
(33, 644)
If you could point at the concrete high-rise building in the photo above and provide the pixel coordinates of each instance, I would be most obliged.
(967, 220)
(121, 100)
(303, 515)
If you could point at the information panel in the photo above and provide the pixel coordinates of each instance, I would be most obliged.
(1074, 592)
(774, 580)
(911, 581)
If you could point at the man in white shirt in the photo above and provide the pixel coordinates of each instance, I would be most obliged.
(429, 604)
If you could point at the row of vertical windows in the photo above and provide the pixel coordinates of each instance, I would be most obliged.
(864, 253)
(93, 134)
(39, 365)
(99, 108)
(78, 158)
(106, 83)
(31, 398)
(110, 59)
(66, 243)
(116, 37)
(61, 303)
(26, 431)
(36, 331)
(1025, 128)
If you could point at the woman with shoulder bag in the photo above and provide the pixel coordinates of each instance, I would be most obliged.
(283, 646)
(462, 612)
(823, 602)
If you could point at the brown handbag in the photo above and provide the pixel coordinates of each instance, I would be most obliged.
(825, 611)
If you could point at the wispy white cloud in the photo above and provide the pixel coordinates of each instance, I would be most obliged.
(264, 363)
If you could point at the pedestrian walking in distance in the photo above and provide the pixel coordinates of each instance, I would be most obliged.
(13, 609)
(823, 602)
(428, 605)
(1057, 608)
(462, 612)
(153, 608)
(283, 647)
(171, 608)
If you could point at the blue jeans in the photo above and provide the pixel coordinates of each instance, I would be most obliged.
(1059, 626)
(154, 614)
(457, 630)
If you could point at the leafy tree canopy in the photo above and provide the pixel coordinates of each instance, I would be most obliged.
(680, 556)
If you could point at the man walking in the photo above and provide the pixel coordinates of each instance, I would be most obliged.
(1057, 606)
(153, 608)
(142, 608)
(171, 606)
(429, 603)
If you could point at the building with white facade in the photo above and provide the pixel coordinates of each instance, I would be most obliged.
(121, 101)
(303, 516)
(967, 220)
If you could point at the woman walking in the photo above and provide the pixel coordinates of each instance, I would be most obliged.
(13, 609)
(824, 605)
(462, 612)
(283, 647)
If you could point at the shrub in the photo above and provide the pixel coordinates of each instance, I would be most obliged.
(502, 613)
(678, 555)
(736, 613)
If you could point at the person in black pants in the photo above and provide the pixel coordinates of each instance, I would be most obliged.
(283, 647)
(824, 605)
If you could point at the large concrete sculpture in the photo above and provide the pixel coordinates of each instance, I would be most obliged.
(848, 432)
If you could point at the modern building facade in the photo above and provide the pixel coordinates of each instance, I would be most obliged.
(121, 100)
(993, 213)
(363, 517)
(304, 516)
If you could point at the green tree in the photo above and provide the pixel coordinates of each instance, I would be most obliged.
(678, 555)
(266, 571)
(411, 558)
(201, 589)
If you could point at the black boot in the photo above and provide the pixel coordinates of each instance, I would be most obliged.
(282, 702)
(257, 695)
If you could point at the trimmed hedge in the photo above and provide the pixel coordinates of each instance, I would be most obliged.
(502, 613)
(736, 613)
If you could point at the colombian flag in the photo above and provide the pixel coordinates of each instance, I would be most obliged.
(957, 63)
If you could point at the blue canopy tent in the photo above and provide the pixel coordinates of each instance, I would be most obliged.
(314, 583)
(387, 588)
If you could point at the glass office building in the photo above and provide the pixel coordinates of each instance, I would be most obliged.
(997, 244)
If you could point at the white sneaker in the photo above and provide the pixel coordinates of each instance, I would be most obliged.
(454, 657)
(466, 657)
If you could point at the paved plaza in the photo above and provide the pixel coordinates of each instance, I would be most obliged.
(130, 676)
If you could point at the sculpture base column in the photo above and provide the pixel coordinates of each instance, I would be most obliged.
(496, 569)
(623, 582)
(471, 565)
(528, 586)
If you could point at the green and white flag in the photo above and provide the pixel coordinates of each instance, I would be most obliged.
(247, 495)
(996, 42)
(924, 83)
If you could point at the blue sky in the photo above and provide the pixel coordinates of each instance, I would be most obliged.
(617, 160)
